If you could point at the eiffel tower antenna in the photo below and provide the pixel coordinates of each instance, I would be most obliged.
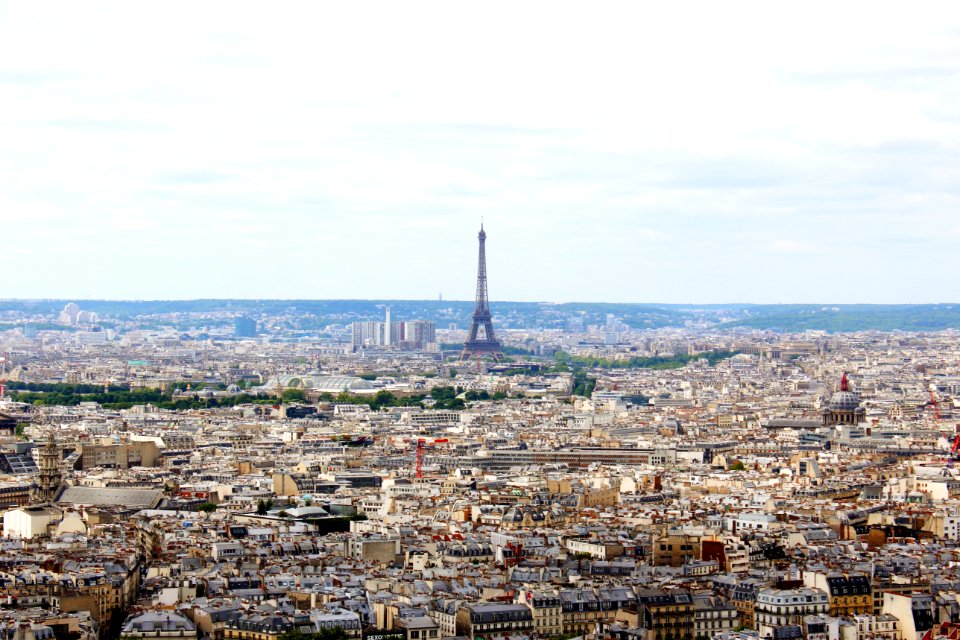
(487, 345)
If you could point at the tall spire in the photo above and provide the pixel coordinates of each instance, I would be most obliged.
(476, 345)
(50, 477)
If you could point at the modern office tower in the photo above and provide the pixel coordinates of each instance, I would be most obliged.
(70, 313)
(387, 330)
(367, 334)
(403, 334)
(481, 340)
(244, 327)
(357, 340)
(417, 333)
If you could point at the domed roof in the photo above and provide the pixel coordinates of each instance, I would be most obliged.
(844, 399)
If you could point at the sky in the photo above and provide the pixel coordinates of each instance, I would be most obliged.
(681, 152)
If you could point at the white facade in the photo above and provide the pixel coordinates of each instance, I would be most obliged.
(28, 522)
(779, 607)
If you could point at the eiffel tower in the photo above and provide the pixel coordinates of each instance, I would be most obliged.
(487, 345)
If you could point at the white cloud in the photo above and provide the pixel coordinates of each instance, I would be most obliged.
(621, 151)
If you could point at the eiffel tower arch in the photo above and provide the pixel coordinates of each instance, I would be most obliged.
(481, 340)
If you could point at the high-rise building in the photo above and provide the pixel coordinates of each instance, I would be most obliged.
(70, 313)
(367, 334)
(418, 333)
(388, 330)
(244, 327)
(403, 334)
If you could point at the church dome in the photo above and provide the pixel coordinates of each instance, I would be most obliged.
(844, 399)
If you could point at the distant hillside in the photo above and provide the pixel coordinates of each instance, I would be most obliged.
(853, 317)
(444, 312)
(312, 314)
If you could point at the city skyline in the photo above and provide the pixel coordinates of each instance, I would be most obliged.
(453, 321)
(625, 154)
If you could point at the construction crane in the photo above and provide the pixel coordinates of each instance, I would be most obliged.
(954, 452)
(933, 401)
(421, 444)
(516, 554)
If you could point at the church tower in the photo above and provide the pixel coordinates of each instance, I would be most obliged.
(51, 477)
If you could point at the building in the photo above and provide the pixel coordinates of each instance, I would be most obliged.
(244, 327)
(417, 334)
(581, 611)
(712, 616)
(915, 611)
(777, 608)
(159, 624)
(598, 549)
(744, 599)
(881, 627)
(666, 615)
(50, 478)
(418, 627)
(26, 523)
(70, 314)
(122, 455)
(848, 594)
(844, 407)
(488, 620)
(409, 335)
(388, 334)
(547, 612)
(675, 549)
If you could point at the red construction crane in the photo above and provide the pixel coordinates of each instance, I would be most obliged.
(516, 554)
(421, 443)
(933, 401)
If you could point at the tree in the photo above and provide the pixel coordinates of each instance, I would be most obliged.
(207, 507)
(261, 507)
(383, 398)
(737, 466)
(293, 395)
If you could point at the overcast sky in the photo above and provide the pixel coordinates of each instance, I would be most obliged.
(701, 152)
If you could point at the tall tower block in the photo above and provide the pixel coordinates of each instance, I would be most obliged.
(481, 340)
(387, 325)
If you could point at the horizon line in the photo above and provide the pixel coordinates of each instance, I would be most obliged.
(454, 300)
